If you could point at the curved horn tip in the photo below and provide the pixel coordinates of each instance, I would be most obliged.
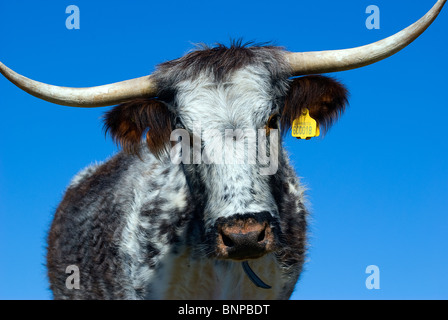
(303, 63)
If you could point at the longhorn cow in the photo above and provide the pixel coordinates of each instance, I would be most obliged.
(144, 225)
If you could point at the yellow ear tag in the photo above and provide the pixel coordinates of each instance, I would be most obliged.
(305, 127)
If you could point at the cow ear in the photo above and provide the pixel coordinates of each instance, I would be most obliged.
(128, 121)
(324, 97)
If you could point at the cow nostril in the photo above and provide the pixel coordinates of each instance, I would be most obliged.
(226, 240)
(262, 235)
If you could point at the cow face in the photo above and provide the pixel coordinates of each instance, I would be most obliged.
(220, 111)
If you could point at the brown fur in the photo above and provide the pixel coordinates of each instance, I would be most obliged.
(129, 121)
(324, 97)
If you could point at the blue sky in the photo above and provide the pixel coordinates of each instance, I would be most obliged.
(378, 181)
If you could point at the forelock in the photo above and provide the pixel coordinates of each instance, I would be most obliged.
(220, 62)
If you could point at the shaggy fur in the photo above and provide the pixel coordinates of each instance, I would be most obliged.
(129, 121)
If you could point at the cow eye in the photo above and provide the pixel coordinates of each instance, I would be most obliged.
(273, 121)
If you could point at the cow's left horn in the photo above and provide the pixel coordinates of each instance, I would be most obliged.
(100, 96)
(303, 63)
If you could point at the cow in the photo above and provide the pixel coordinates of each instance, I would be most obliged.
(160, 219)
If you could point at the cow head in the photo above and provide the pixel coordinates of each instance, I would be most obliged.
(233, 104)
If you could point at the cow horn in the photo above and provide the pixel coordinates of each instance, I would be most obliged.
(100, 96)
(303, 63)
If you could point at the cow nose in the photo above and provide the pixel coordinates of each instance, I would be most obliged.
(243, 239)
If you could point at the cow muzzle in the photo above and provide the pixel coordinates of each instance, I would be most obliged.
(244, 238)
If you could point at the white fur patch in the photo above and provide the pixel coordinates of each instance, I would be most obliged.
(243, 102)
